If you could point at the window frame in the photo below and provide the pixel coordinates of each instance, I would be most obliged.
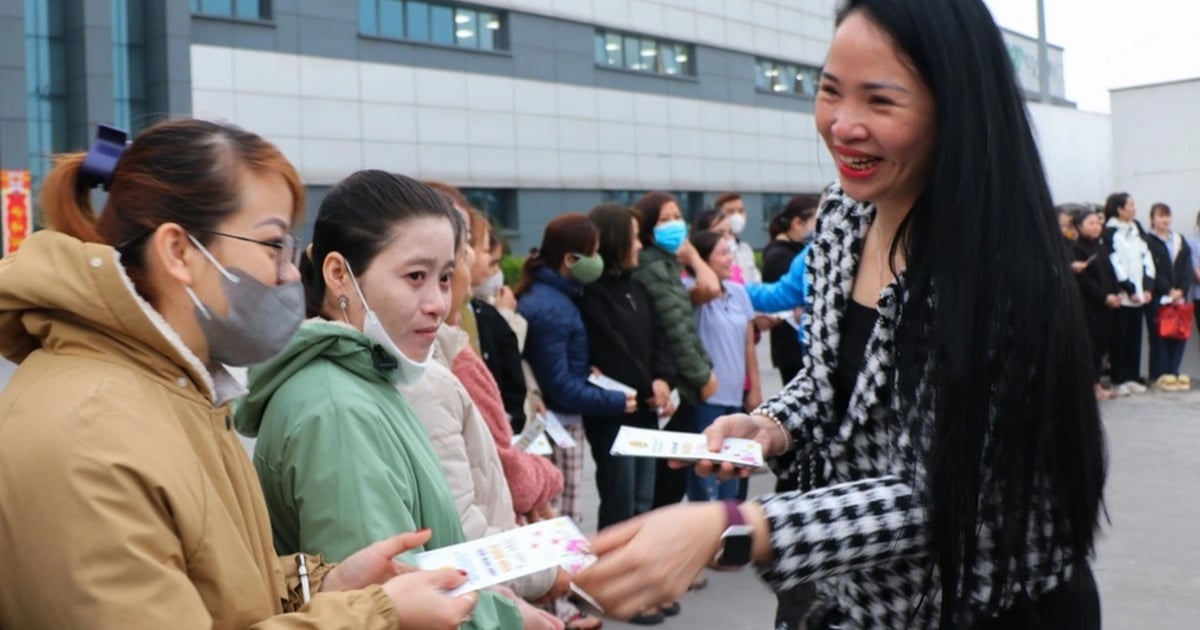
(766, 67)
(503, 214)
(417, 24)
(266, 11)
(664, 54)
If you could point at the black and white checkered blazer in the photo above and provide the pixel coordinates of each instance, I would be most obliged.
(859, 532)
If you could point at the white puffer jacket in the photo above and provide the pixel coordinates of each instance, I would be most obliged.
(468, 455)
(1131, 259)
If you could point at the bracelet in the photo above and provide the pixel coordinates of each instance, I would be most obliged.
(788, 442)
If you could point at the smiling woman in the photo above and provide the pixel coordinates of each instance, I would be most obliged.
(943, 416)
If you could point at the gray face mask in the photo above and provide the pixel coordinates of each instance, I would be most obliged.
(261, 318)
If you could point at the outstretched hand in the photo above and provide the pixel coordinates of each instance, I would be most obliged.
(652, 559)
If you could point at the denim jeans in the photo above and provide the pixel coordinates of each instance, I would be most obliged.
(708, 488)
(1166, 355)
(625, 484)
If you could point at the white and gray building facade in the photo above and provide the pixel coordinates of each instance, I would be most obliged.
(533, 107)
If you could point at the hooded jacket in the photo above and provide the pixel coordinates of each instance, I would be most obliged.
(467, 452)
(343, 459)
(127, 500)
(659, 273)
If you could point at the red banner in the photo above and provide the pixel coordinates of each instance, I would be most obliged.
(15, 208)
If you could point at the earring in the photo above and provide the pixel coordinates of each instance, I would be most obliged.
(342, 302)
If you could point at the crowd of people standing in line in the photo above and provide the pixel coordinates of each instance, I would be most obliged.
(938, 446)
(390, 368)
(1131, 277)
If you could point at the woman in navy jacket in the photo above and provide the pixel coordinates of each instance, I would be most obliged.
(556, 344)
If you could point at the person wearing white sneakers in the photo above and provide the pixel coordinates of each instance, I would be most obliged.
(1172, 283)
(1134, 268)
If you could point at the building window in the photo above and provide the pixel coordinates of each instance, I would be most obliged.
(433, 22)
(233, 9)
(499, 204)
(690, 203)
(45, 85)
(773, 204)
(640, 53)
(129, 64)
(781, 77)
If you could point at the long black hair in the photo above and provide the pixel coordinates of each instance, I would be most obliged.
(1114, 203)
(992, 302)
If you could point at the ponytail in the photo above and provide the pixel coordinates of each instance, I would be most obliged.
(312, 278)
(66, 204)
(803, 207)
(779, 224)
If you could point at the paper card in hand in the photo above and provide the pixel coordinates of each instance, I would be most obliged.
(512, 554)
(635, 442)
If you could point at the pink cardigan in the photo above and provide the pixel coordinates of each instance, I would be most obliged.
(532, 479)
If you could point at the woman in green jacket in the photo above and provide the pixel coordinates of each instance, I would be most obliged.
(342, 457)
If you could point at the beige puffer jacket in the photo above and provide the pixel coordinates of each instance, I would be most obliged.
(467, 452)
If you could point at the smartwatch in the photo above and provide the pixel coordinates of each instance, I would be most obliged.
(735, 541)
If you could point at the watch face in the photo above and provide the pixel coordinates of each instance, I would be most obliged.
(735, 549)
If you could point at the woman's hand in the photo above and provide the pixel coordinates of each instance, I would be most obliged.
(505, 299)
(1112, 300)
(531, 618)
(758, 428)
(662, 394)
(1176, 296)
(560, 588)
(652, 559)
(686, 254)
(374, 564)
(420, 599)
(543, 512)
(1078, 266)
(1146, 297)
(765, 322)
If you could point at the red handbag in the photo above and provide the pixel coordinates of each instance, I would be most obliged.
(1175, 320)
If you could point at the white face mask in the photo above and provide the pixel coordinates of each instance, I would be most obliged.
(490, 287)
(407, 370)
(737, 223)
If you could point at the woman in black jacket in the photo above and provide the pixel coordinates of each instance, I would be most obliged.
(1172, 284)
(626, 343)
(1097, 284)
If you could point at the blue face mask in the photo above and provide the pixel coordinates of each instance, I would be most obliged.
(670, 235)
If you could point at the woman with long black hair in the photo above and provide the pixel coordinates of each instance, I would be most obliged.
(948, 386)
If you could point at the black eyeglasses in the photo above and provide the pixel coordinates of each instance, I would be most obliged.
(287, 245)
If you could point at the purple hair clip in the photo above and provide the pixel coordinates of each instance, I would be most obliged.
(102, 158)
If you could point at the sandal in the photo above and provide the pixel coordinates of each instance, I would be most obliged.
(670, 610)
(583, 621)
(648, 617)
(573, 618)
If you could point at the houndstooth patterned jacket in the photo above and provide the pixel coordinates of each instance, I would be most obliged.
(860, 535)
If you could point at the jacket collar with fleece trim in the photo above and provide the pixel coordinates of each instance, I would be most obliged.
(62, 295)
